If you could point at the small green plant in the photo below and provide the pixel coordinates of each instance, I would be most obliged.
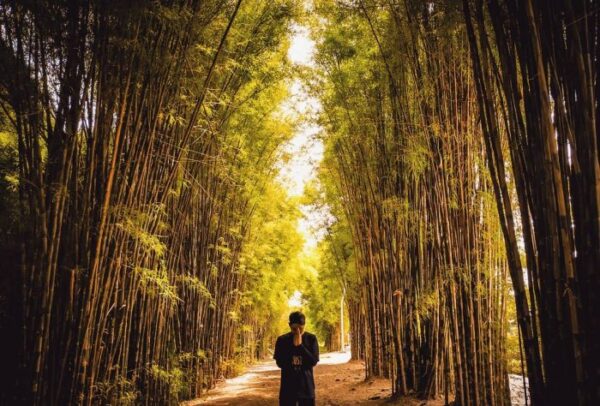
(121, 392)
(172, 378)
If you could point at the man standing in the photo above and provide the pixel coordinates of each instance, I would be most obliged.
(296, 353)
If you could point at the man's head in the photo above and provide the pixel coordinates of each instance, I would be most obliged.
(297, 321)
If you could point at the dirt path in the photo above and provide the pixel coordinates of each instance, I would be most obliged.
(338, 382)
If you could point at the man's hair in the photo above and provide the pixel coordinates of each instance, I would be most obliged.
(297, 318)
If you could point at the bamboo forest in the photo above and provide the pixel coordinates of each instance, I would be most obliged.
(420, 178)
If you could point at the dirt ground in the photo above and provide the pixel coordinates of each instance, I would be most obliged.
(338, 382)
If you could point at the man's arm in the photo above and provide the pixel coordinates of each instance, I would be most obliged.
(311, 354)
(278, 355)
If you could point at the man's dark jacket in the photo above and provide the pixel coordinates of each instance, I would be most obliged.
(296, 365)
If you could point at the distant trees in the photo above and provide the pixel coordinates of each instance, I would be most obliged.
(335, 285)
(270, 262)
(143, 133)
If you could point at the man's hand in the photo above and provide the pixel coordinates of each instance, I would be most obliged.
(297, 337)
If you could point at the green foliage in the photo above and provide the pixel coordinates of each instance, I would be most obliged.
(9, 182)
(271, 259)
(195, 284)
(173, 379)
(323, 298)
(513, 352)
(334, 273)
(426, 304)
(416, 157)
(395, 207)
(156, 282)
(137, 223)
(120, 392)
(233, 367)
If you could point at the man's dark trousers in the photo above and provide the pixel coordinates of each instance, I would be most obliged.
(297, 402)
